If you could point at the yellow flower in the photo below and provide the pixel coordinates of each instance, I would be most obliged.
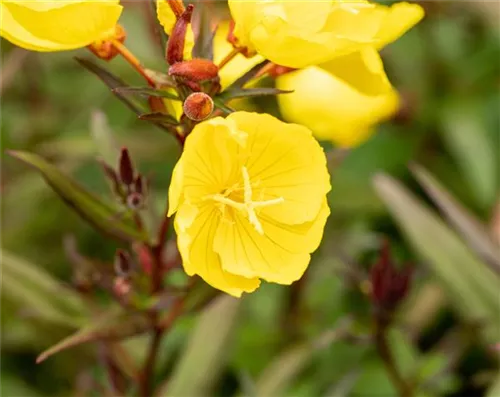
(345, 34)
(167, 19)
(250, 196)
(57, 25)
(303, 33)
(332, 109)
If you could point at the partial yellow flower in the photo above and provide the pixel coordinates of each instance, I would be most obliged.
(167, 19)
(344, 34)
(57, 25)
(331, 108)
(304, 33)
(249, 193)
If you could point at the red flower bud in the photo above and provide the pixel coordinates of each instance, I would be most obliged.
(198, 106)
(389, 284)
(126, 167)
(175, 46)
(194, 70)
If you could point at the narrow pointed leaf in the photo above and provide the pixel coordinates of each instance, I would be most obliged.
(159, 117)
(227, 95)
(471, 229)
(86, 204)
(146, 91)
(33, 289)
(471, 285)
(219, 104)
(245, 78)
(111, 326)
(112, 82)
(200, 365)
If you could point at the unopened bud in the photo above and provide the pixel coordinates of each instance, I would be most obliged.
(195, 70)
(105, 49)
(139, 185)
(175, 46)
(198, 106)
(389, 284)
(126, 167)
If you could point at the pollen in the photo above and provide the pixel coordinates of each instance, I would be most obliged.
(248, 206)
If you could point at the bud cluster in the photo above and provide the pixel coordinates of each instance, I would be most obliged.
(127, 185)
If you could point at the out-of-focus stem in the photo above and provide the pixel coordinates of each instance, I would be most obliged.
(229, 57)
(132, 60)
(384, 350)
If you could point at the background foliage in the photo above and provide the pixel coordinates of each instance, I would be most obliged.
(442, 214)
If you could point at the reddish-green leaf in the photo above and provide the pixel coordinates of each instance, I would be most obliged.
(86, 204)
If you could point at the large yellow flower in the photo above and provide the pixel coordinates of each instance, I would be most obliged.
(250, 196)
(345, 34)
(331, 108)
(57, 25)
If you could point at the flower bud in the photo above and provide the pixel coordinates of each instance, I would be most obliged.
(135, 201)
(389, 284)
(122, 263)
(121, 287)
(195, 70)
(175, 46)
(105, 49)
(198, 106)
(126, 167)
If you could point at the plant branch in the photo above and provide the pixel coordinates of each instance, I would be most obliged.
(132, 60)
(146, 382)
(384, 350)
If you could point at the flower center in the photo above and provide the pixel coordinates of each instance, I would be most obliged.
(248, 206)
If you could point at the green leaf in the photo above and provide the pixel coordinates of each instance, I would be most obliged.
(206, 351)
(470, 228)
(471, 285)
(466, 137)
(234, 93)
(147, 92)
(159, 117)
(110, 326)
(279, 375)
(87, 205)
(34, 289)
(219, 104)
(112, 82)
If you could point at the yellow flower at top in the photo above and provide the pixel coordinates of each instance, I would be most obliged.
(342, 36)
(303, 33)
(57, 25)
(249, 193)
(331, 108)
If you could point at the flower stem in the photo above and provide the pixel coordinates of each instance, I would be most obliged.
(177, 7)
(132, 60)
(229, 57)
(384, 350)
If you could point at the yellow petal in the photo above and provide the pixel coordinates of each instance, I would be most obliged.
(363, 70)
(54, 26)
(331, 108)
(167, 19)
(195, 246)
(400, 18)
(284, 161)
(280, 255)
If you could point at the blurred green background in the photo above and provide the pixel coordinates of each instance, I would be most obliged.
(279, 340)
